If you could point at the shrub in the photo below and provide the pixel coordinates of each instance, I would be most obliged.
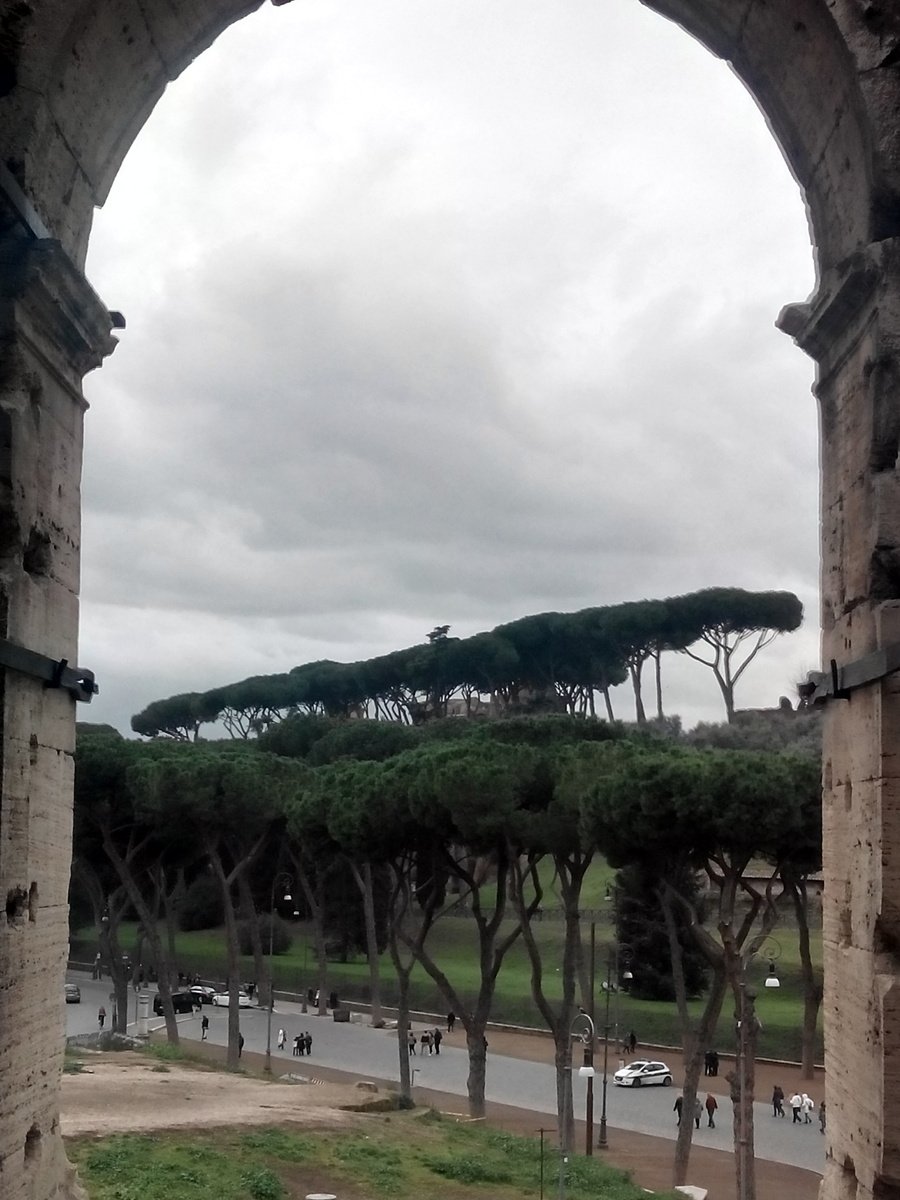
(261, 1184)
(281, 934)
(201, 907)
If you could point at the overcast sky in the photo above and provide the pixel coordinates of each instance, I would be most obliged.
(442, 314)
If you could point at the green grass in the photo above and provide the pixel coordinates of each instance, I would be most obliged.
(408, 1158)
(451, 943)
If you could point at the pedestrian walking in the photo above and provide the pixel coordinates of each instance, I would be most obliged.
(677, 1107)
(204, 1027)
(240, 1044)
(437, 1038)
(822, 1116)
(707, 1063)
(298, 1046)
(101, 1016)
(425, 1041)
(698, 1112)
(714, 1062)
(307, 1043)
(411, 1041)
(282, 1038)
(711, 1105)
(777, 1101)
(451, 1020)
(96, 972)
(796, 1103)
(632, 1042)
(806, 1107)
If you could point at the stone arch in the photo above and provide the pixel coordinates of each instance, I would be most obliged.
(81, 80)
(77, 80)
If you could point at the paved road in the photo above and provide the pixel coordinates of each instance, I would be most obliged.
(516, 1082)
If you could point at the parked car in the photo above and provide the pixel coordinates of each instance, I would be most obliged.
(642, 1073)
(73, 993)
(182, 1002)
(203, 993)
(223, 999)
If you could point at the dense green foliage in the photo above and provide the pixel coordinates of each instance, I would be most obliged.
(641, 929)
(547, 662)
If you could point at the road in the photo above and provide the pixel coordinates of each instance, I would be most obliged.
(372, 1053)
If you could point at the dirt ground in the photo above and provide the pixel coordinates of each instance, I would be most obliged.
(122, 1092)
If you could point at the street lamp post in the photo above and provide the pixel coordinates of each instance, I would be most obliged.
(748, 1028)
(602, 1142)
(586, 1071)
(612, 959)
(283, 884)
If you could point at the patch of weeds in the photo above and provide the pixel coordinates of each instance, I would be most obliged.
(261, 1184)
(161, 1069)
(72, 1066)
(165, 1052)
(278, 1143)
(432, 1117)
(368, 1151)
(469, 1170)
(382, 1166)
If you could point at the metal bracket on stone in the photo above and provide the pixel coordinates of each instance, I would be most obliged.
(77, 681)
(837, 683)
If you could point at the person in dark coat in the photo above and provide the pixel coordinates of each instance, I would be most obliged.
(714, 1062)
(437, 1038)
(451, 1020)
(307, 1042)
(204, 1027)
(298, 1046)
(777, 1101)
(698, 1112)
(677, 1107)
(711, 1105)
(240, 1044)
(632, 1042)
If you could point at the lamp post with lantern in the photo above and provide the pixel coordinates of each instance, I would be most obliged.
(281, 884)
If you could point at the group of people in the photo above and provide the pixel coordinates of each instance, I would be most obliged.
(302, 1043)
(429, 1040)
(711, 1062)
(711, 1105)
(802, 1107)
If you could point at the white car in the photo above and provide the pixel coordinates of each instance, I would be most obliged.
(203, 994)
(642, 1073)
(223, 999)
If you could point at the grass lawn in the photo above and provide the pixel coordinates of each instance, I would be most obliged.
(403, 1157)
(452, 945)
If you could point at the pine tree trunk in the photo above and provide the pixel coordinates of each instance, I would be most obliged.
(477, 1047)
(364, 882)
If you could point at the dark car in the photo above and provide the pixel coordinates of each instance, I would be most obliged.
(73, 993)
(182, 1002)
